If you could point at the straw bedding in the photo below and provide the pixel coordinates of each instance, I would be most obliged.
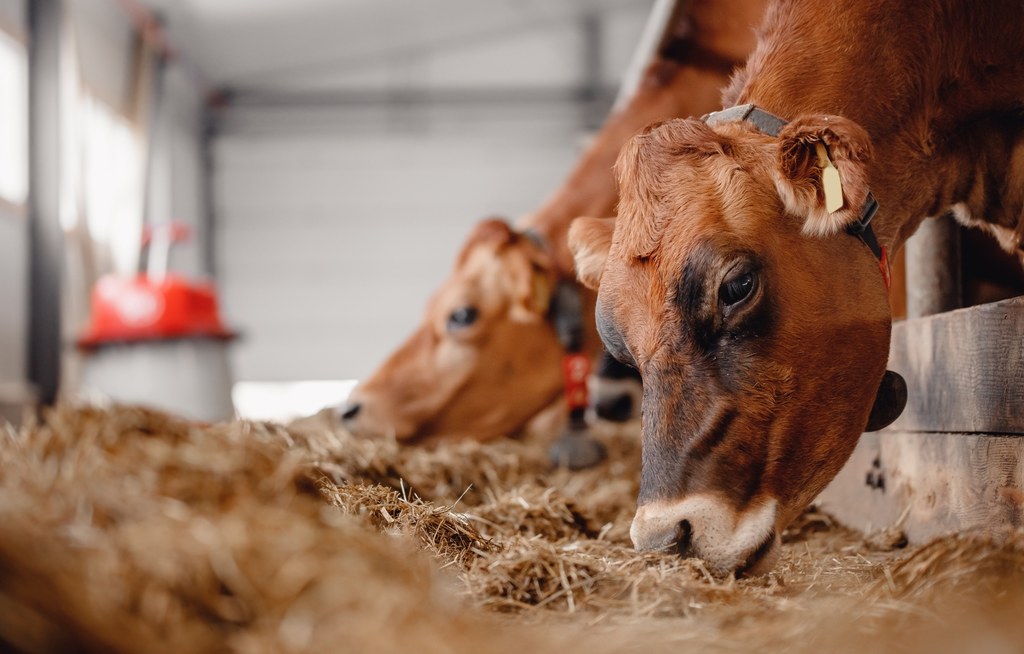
(129, 530)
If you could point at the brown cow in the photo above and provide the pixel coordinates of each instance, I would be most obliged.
(486, 359)
(731, 279)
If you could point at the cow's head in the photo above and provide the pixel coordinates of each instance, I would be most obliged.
(760, 327)
(484, 360)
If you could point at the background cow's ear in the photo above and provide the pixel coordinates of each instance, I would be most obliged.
(590, 240)
(800, 173)
(530, 271)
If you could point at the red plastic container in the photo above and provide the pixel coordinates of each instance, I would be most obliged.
(128, 310)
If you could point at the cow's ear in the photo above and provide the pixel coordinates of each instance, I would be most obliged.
(822, 173)
(590, 240)
(532, 274)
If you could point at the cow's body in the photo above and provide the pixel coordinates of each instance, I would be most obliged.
(938, 86)
(491, 378)
(759, 323)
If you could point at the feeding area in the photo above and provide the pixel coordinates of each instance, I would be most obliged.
(131, 530)
(482, 326)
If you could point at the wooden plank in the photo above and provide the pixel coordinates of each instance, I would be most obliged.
(930, 484)
(964, 370)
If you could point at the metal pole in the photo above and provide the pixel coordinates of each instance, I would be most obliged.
(934, 282)
(208, 221)
(662, 23)
(46, 240)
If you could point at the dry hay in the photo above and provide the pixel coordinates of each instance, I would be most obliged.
(129, 530)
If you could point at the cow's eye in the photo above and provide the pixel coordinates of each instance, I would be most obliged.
(737, 289)
(462, 317)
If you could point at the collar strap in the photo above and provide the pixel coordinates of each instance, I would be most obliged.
(566, 313)
(767, 123)
(771, 125)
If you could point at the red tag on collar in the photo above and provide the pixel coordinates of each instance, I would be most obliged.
(575, 370)
(883, 264)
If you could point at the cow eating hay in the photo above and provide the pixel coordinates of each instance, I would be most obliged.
(133, 531)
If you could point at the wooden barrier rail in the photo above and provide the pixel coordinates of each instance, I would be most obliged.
(955, 459)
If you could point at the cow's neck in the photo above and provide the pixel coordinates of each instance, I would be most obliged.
(916, 93)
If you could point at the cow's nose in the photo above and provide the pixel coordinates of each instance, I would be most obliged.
(350, 410)
(708, 528)
(663, 537)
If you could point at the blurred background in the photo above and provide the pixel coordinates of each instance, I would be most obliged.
(321, 162)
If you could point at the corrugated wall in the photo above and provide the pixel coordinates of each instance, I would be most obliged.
(331, 241)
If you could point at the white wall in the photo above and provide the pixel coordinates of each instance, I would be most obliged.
(13, 295)
(13, 256)
(330, 240)
(12, 14)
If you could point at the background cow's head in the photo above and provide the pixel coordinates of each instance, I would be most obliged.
(484, 360)
(759, 326)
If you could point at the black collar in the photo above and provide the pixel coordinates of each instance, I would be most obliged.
(771, 125)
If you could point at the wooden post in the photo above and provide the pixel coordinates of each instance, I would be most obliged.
(955, 459)
(46, 239)
(934, 282)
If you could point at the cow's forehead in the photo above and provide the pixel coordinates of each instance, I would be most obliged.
(689, 201)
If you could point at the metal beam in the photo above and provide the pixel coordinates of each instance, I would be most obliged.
(254, 97)
(46, 239)
(328, 39)
(208, 224)
(663, 21)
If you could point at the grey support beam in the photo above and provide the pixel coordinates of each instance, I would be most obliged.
(208, 223)
(511, 96)
(665, 18)
(46, 240)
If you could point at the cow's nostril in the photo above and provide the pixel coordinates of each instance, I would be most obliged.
(684, 534)
(351, 410)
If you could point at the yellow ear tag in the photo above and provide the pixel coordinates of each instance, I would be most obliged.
(830, 181)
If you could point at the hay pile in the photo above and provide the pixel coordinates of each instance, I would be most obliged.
(133, 531)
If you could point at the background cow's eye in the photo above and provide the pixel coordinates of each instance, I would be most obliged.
(736, 289)
(462, 317)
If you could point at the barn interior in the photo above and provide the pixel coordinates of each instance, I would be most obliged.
(218, 217)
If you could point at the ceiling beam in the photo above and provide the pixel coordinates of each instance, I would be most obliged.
(339, 36)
